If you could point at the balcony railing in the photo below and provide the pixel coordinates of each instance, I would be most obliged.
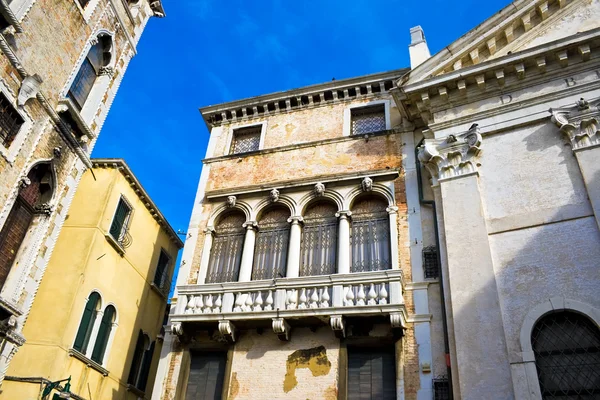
(330, 297)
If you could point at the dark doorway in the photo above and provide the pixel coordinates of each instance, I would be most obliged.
(207, 373)
(371, 373)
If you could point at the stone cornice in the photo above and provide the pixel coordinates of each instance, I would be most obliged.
(453, 156)
(499, 76)
(137, 187)
(324, 94)
(495, 35)
(579, 123)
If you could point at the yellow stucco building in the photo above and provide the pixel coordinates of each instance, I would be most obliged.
(98, 314)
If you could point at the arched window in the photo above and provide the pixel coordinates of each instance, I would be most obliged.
(270, 253)
(319, 240)
(370, 235)
(34, 195)
(86, 325)
(106, 326)
(140, 365)
(567, 356)
(98, 57)
(226, 251)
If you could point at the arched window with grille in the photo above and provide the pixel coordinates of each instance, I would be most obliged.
(370, 235)
(86, 325)
(566, 346)
(270, 252)
(319, 239)
(35, 193)
(98, 57)
(226, 251)
(104, 333)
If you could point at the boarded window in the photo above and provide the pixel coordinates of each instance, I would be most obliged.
(371, 374)
(207, 373)
(370, 235)
(86, 324)
(270, 253)
(226, 251)
(119, 225)
(10, 121)
(319, 240)
(368, 119)
(566, 346)
(246, 140)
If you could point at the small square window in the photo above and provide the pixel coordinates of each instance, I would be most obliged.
(430, 262)
(10, 121)
(368, 119)
(246, 140)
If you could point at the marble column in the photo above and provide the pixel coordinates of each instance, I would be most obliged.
(343, 249)
(293, 261)
(393, 214)
(248, 252)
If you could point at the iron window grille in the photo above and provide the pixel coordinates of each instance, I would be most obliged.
(226, 251)
(319, 240)
(370, 238)
(162, 272)
(368, 119)
(441, 388)
(430, 263)
(10, 121)
(270, 254)
(120, 224)
(566, 346)
(246, 140)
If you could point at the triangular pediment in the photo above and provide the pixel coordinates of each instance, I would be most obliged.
(522, 25)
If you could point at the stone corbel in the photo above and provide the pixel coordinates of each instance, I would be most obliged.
(579, 123)
(177, 328)
(452, 157)
(398, 321)
(282, 329)
(228, 330)
(338, 325)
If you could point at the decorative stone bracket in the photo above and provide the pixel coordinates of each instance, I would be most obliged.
(579, 123)
(282, 329)
(454, 156)
(228, 330)
(338, 325)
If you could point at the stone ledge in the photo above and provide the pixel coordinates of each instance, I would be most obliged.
(115, 244)
(90, 363)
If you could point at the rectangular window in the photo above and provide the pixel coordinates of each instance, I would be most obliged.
(441, 389)
(207, 373)
(371, 374)
(368, 119)
(83, 83)
(162, 271)
(118, 228)
(246, 140)
(10, 121)
(430, 263)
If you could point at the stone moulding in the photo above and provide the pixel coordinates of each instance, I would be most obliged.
(453, 156)
(579, 123)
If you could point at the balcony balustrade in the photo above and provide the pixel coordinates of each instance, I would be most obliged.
(329, 298)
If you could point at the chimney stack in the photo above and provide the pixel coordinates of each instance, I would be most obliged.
(418, 50)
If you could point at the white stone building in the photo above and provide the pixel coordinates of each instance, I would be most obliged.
(487, 164)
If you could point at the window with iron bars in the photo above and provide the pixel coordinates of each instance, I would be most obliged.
(118, 228)
(246, 140)
(368, 119)
(441, 388)
(162, 272)
(10, 121)
(430, 263)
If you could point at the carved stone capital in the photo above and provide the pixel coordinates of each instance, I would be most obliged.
(579, 123)
(177, 329)
(282, 329)
(344, 214)
(210, 230)
(397, 320)
(24, 182)
(228, 330)
(295, 219)
(108, 71)
(250, 225)
(392, 210)
(338, 325)
(454, 156)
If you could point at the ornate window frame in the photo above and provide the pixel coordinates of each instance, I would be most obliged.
(10, 153)
(347, 128)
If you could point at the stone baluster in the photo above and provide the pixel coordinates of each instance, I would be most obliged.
(302, 300)
(372, 296)
(248, 304)
(360, 297)
(189, 307)
(314, 299)
(258, 302)
(199, 304)
(218, 304)
(239, 302)
(248, 252)
(208, 304)
(325, 297)
(343, 255)
(349, 298)
(269, 301)
(293, 261)
(383, 295)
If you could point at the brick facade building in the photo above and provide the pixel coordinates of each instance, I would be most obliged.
(61, 65)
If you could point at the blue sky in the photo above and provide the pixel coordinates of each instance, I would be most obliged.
(212, 51)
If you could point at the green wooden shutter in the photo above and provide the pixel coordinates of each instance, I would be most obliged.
(145, 370)
(103, 335)
(161, 269)
(87, 322)
(119, 219)
(137, 358)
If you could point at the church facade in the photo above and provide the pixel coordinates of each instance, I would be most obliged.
(426, 233)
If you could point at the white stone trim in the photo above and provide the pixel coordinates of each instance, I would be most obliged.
(21, 7)
(11, 153)
(347, 127)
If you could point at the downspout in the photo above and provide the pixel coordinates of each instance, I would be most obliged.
(431, 203)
